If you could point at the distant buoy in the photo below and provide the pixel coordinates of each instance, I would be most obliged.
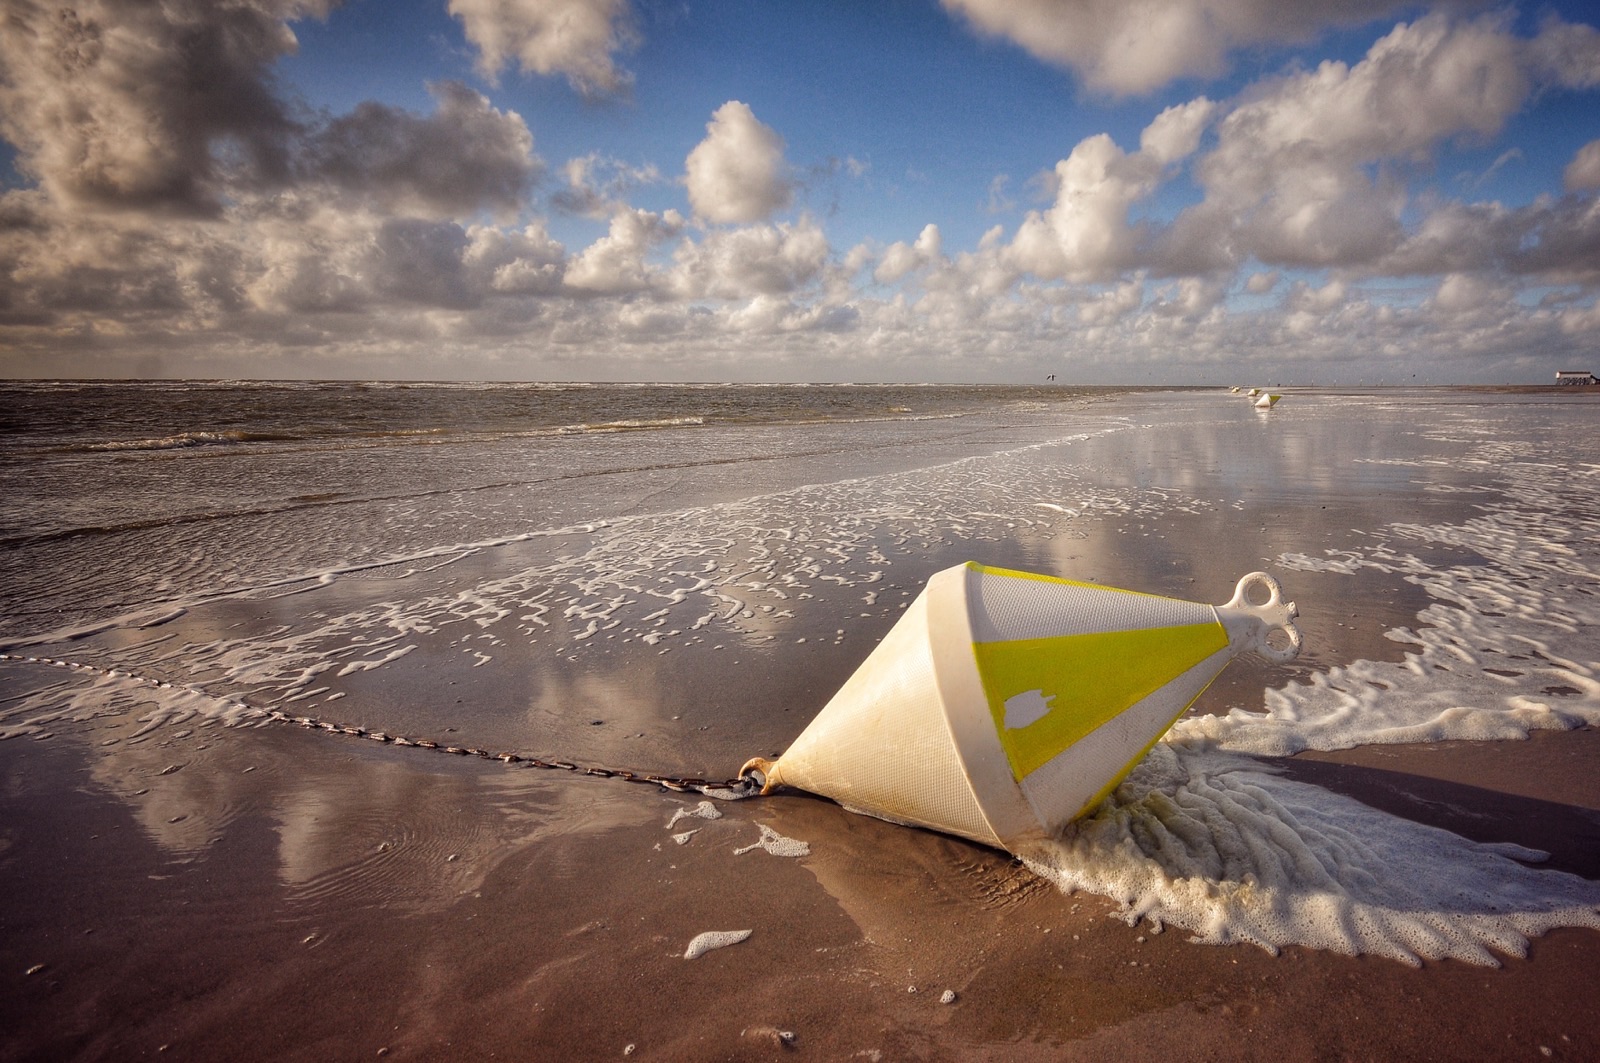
(1005, 704)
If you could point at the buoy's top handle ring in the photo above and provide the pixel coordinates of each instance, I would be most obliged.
(1250, 623)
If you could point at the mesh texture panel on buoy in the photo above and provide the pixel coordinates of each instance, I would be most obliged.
(882, 744)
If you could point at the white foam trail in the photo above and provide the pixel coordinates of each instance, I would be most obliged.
(377, 662)
(1213, 843)
(1506, 647)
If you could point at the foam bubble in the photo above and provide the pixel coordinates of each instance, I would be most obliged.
(704, 810)
(714, 939)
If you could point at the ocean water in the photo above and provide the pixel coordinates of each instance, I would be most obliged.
(671, 579)
(117, 495)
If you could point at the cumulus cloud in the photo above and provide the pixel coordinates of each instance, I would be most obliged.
(772, 314)
(61, 265)
(305, 259)
(1303, 169)
(464, 157)
(172, 108)
(1556, 240)
(576, 39)
(179, 193)
(1418, 84)
(1085, 235)
(154, 224)
(762, 260)
(617, 263)
(1303, 297)
(1564, 54)
(1583, 172)
(1121, 47)
(1306, 170)
(1560, 240)
(1174, 134)
(349, 262)
(1189, 298)
(737, 173)
(1461, 293)
(1114, 304)
(526, 262)
(902, 259)
(419, 261)
(129, 106)
(283, 266)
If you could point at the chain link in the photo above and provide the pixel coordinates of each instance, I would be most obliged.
(728, 789)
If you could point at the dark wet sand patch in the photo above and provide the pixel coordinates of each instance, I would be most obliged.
(1542, 793)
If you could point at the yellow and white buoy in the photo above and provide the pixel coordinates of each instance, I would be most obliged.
(1004, 704)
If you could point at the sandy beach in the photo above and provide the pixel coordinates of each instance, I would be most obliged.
(187, 878)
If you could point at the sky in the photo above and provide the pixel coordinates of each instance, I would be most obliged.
(1252, 192)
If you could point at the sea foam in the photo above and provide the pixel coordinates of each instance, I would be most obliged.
(1204, 836)
(1213, 843)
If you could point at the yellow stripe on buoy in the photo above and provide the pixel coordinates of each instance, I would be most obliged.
(1046, 694)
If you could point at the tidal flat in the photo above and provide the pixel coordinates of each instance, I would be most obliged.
(1384, 849)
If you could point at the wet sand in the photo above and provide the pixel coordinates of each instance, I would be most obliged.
(268, 892)
(555, 926)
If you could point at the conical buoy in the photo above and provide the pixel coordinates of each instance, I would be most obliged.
(1004, 704)
(1267, 402)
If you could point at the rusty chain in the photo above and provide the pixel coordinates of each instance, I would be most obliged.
(729, 789)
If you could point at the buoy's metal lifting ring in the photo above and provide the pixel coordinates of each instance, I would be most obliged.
(760, 771)
(1250, 624)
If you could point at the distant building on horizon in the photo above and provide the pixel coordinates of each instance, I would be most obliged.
(1574, 376)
